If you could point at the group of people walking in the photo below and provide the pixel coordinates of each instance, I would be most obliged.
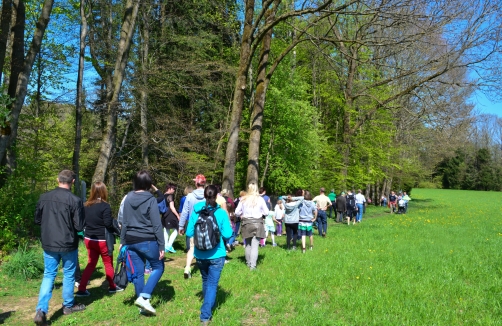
(147, 234)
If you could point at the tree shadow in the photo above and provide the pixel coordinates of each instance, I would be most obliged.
(5, 315)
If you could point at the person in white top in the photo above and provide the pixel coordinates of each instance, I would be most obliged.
(323, 202)
(252, 208)
(360, 200)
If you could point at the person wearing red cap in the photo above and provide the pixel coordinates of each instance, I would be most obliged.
(192, 198)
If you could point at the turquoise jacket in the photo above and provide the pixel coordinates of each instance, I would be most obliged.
(225, 229)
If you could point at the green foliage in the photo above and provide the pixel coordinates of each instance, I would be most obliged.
(18, 206)
(25, 264)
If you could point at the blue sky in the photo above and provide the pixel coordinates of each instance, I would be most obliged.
(485, 105)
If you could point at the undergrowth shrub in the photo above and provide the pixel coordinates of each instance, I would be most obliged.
(25, 263)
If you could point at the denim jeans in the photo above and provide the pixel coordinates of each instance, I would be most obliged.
(141, 252)
(322, 222)
(360, 210)
(51, 264)
(210, 270)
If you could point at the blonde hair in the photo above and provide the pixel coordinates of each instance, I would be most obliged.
(252, 195)
(188, 189)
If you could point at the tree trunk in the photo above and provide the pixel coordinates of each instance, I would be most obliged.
(238, 99)
(262, 83)
(108, 142)
(79, 101)
(143, 90)
(8, 140)
(5, 31)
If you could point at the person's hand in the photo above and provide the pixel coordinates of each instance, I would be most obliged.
(161, 254)
(154, 188)
(181, 231)
(120, 247)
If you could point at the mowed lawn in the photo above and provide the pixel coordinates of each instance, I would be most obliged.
(440, 264)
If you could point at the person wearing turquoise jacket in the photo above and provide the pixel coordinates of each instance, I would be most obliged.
(210, 262)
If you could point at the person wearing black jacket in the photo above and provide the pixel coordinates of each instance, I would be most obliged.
(60, 215)
(98, 221)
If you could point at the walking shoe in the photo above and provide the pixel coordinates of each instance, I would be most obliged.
(274, 245)
(77, 284)
(145, 305)
(40, 318)
(75, 308)
(171, 250)
(148, 271)
(311, 247)
(83, 293)
(117, 289)
(229, 248)
(303, 250)
(294, 248)
(187, 273)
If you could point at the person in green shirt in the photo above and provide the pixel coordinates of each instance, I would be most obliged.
(332, 197)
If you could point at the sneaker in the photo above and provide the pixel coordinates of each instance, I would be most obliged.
(229, 248)
(75, 308)
(145, 305)
(117, 289)
(294, 248)
(187, 273)
(303, 250)
(147, 271)
(171, 250)
(77, 284)
(83, 293)
(40, 318)
(274, 245)
(311, 248)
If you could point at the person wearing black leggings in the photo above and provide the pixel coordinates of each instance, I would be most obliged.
(291, 218)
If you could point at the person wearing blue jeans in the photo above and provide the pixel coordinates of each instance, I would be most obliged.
(360, 200)
(322, 222)
(51, 263)
(143, 234)
(140, 252)
(210, 262)
(60, 215)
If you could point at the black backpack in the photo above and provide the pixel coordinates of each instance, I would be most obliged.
(206, 234)
(351, 202)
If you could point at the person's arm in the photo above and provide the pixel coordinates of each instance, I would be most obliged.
(38, 214)
(191, 224)
(223, 220)
(120, 215)
(79, 216)
(315, 215)
(184, 215)
(171, 206)
(158, 230)
(107, 216)
(160, 195)
(238, 209)
(264, 207)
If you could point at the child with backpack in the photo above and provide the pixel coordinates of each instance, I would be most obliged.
(209, 225)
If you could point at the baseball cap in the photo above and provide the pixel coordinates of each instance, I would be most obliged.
(200, 179)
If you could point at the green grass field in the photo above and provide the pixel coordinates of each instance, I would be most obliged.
(440, 264)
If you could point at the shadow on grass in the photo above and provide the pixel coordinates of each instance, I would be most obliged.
(242, 259)
(221, 297)
(5, 315)
(163, 292)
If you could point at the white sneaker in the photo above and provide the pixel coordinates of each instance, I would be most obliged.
(187, 273)
(145, 305)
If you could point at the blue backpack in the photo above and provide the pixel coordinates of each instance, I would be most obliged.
(162, 206)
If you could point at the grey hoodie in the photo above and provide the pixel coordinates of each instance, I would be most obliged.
(307, 211)
(192, 198)
(141, 218)
(291, 215)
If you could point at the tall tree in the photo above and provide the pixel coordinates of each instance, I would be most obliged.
(112, 99)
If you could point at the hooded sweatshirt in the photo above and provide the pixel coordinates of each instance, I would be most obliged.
(307, 211)
(141, 218)
(291, 214)
(192, 198)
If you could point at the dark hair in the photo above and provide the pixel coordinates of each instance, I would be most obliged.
(210, 193)
(98, 194)
(170, 186)
(66, 176)
(218, 188)
(262, 190)
(307, 195)
(142, 180)
(299, 192)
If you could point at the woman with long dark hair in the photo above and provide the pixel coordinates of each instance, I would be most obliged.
(143, 235)
(98, 218)
(210, 262)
